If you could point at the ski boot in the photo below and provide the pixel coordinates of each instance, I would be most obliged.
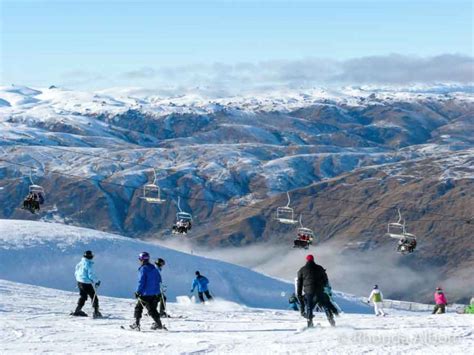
(97, 314)
(310, 323)
(157, 326)
(332, 321)
(135, 326)
(78, 313)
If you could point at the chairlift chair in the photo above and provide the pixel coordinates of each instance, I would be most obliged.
(182, 218)
(36, 189)
(304, 237)
(285, 214)
(152, 192)
(396, 230)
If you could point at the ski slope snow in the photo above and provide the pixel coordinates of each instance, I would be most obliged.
(34, 320)
(45, 254)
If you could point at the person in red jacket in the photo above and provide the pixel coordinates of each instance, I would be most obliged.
(440, 301)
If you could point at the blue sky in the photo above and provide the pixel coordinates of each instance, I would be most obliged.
(145, 43)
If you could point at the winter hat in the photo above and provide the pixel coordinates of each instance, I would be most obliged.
(144, 256)
(309, 257)
(376, 287)
(198, 273)
(88, 254)
(438, 289)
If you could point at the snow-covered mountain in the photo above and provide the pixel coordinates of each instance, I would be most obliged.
(232, 160)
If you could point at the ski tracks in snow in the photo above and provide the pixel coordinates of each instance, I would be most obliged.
(36, 320)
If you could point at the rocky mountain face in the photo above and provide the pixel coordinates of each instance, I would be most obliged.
(348, 158)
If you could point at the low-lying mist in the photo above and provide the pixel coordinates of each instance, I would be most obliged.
(350, 271)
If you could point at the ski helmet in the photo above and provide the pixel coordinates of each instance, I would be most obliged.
(143, 256)
(88, 254)
(376, 287)
(198, 273)
(160, 262)
(309, 257)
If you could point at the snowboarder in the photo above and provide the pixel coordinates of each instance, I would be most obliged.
(162, 301)
(376, 297)
(312, 279)
(440, 301)
(87, 282)
(148, 292)
(201, 283)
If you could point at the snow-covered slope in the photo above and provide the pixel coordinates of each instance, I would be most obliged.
(34, 320)
(45, 254)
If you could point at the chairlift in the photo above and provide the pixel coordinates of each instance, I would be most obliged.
(285, 214)
(397, 230)
(183, 221)
(35, 197)
(152, 192)
(304, 237)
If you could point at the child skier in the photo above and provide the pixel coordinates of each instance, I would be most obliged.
(377, 298)
(201, 283)
(440, 301)
(160, 263)
(293, 301)
(148, 292)
(86, 278)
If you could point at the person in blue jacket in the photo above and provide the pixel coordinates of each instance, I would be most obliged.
(201, 283)
(148, 292)
(86, 279)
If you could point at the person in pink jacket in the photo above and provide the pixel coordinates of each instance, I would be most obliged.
(440, 300)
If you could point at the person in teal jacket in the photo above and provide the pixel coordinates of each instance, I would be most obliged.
(201, 283)
(86, 279)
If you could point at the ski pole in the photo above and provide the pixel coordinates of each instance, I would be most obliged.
(95, 295)
(163, 300)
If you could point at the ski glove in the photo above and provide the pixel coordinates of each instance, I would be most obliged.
(137, 295)
(97, 284)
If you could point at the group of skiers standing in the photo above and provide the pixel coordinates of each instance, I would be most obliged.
(312, 290)
(149, 293)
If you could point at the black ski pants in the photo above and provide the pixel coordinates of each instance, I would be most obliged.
(201, 296)
(322, 300)
(439, 308)
(86, 290)
(151, 305)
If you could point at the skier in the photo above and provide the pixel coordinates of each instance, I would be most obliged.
(376, 297)
(162, 301)
(201, 283)
(440, 301)
(470, 308)
(148, 292)
(86, 279)
(312, 279)
(293, 301)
